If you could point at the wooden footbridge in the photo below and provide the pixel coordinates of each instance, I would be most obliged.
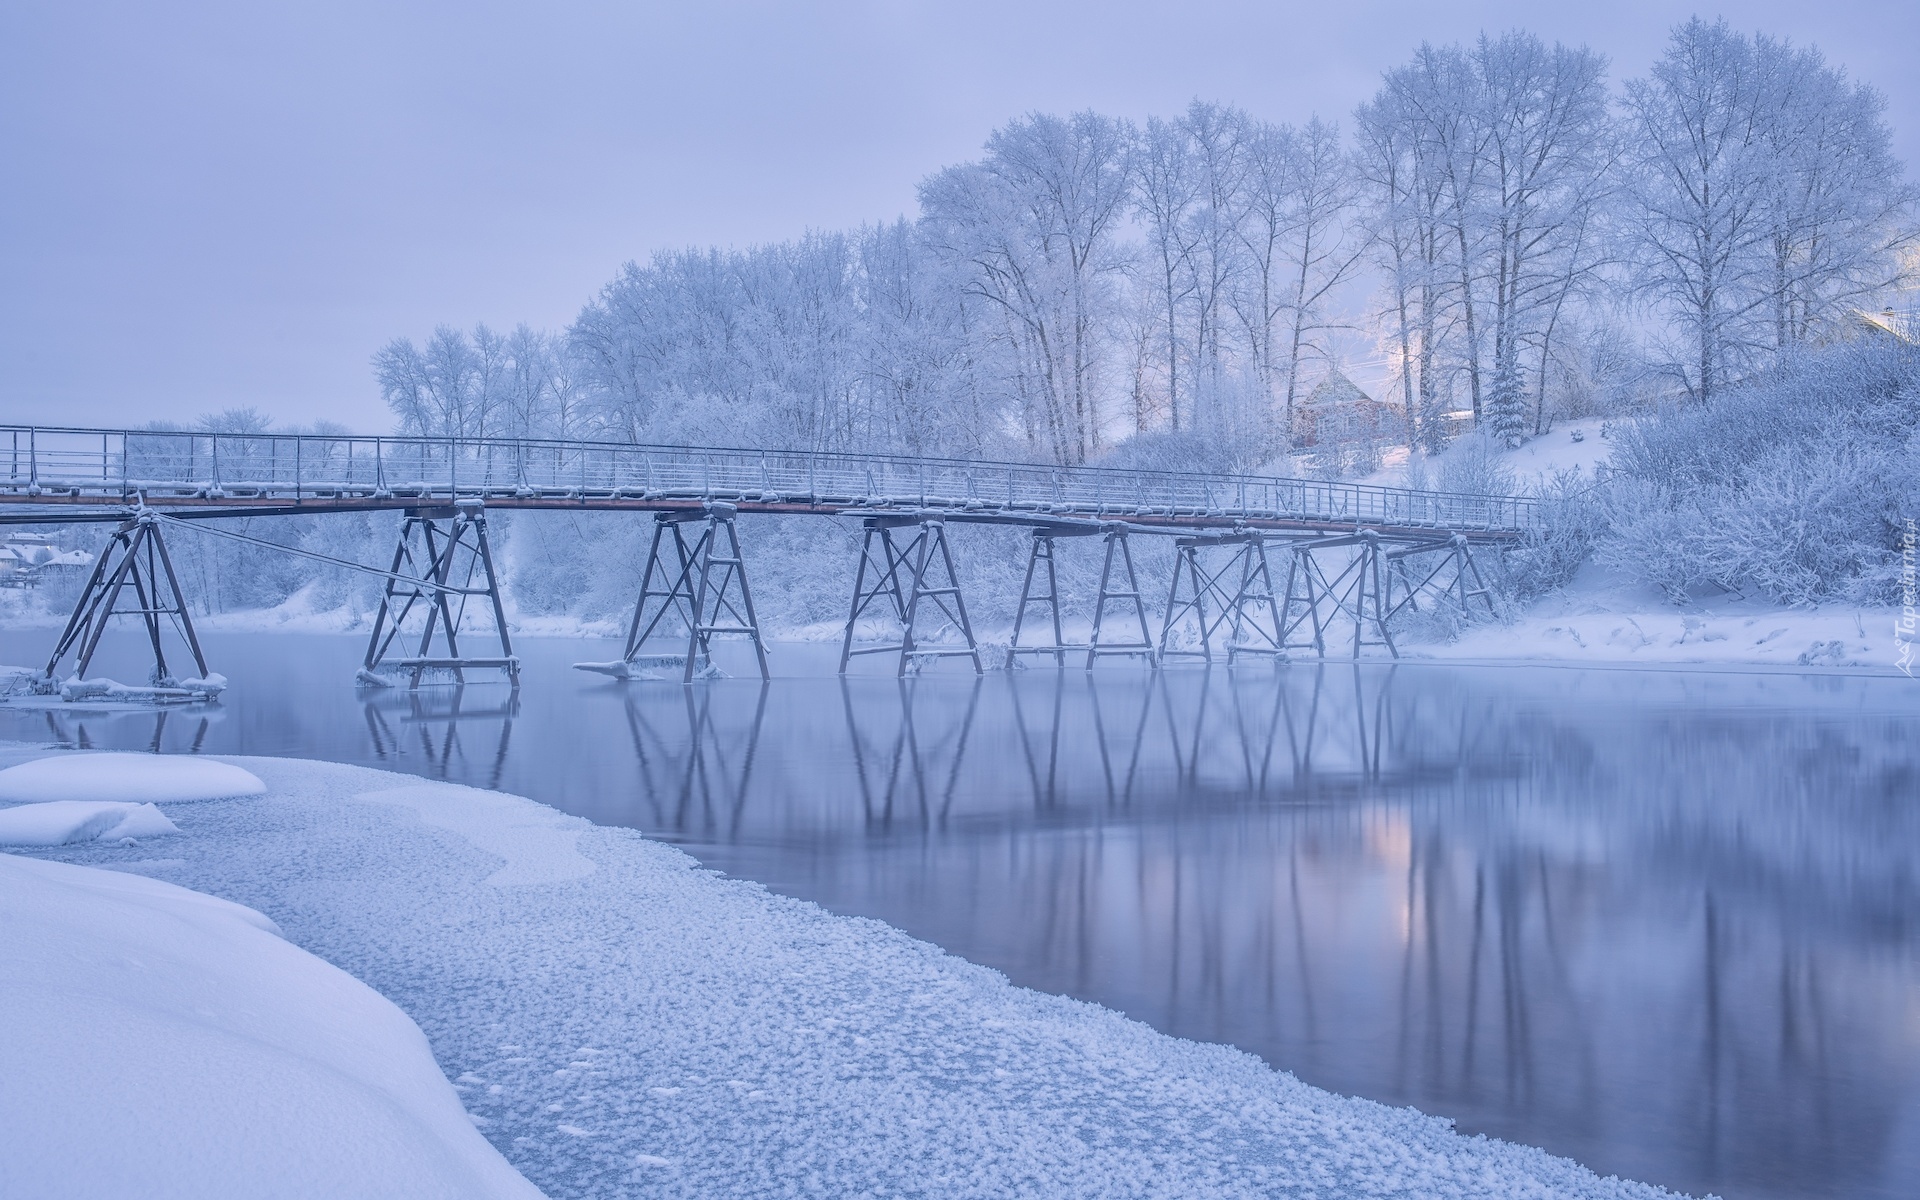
(1263, 566)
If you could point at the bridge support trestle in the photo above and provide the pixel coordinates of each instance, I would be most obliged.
(1359, 591)
(702, 584)
(1040, 564)
(909, 576)
(1454, 577)
(1303, 590)
(1119, 553)
(441, 561)
(1246, 610)
(1118, 586)
(135, 557)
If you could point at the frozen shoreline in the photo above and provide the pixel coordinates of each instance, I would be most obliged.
(620, 1020)
(1573, 628)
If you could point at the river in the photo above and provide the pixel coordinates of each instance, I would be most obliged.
(1664, 922)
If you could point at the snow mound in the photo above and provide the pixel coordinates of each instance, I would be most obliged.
(130, 778)
(165, 1043)
(60, 822)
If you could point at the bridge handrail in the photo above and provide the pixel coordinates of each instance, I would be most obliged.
(122, 462)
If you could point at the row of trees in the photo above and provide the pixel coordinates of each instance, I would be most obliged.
(1500, 220)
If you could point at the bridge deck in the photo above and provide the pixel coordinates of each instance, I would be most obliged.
(60, 474)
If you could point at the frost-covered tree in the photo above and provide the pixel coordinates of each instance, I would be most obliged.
(1032, 231)
(1699, 158)
(1302, 243)
(1837, 209)
(1400, 213)
(1486, 165)
(1165, 194)
(482, 384)
(1507, 421)
(1766, 201)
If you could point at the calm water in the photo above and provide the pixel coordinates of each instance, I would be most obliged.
(1666, 923)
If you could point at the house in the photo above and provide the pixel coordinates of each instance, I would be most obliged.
(1901, 325)
(25, 558)
(1337, 412)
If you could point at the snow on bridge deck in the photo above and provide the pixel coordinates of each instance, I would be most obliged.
(64, 474)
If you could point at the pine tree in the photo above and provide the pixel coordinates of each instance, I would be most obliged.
(1507, 407)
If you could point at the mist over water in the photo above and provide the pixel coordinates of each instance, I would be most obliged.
(1666, 923)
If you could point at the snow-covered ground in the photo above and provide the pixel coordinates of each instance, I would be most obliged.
(1602, 618)
(620, 1021)
(1568, 446)
(165, 1043)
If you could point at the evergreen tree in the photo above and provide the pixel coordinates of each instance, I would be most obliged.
(1507, 407)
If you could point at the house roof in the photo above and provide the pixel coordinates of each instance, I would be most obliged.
(1336, 388)
(1904, 325)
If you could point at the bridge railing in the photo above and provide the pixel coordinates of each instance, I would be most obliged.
(118, 464)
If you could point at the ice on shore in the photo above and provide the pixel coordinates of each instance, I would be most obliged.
(164, 1043)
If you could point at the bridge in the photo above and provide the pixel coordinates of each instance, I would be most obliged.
(1354, 555)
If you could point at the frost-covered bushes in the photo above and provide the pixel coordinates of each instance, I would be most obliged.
(1574, 520)
(1797, 487)
(1472, 466)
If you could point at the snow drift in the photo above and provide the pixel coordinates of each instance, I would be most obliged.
(164, 1043)
(126, 778)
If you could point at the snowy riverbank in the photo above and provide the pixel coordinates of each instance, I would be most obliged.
(620, 1021)
(1603, 619)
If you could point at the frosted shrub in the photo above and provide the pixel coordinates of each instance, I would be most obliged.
(1651, 536)
(1796, 487)
(1473, 466)
(1574, 521)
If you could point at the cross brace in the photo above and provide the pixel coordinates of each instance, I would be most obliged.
(1241, 589)
(440, 553)
(701, 584)
(910, 576)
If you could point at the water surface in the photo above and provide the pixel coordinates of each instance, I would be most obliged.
(1667, 923)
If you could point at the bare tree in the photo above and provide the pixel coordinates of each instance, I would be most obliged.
(1401, 215)
(1503, 147)
(1034, 225)
(1699, 154)
(1165, 194)
(1837, 210)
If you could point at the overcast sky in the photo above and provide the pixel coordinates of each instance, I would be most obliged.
(210, 205)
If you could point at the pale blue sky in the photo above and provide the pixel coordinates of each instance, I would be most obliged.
(206, 205)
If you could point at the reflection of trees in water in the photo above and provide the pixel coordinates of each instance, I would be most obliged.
(1663, 942)
(459, 732)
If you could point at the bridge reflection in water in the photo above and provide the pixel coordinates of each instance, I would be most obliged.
(1668, 924)
(1670, 948)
